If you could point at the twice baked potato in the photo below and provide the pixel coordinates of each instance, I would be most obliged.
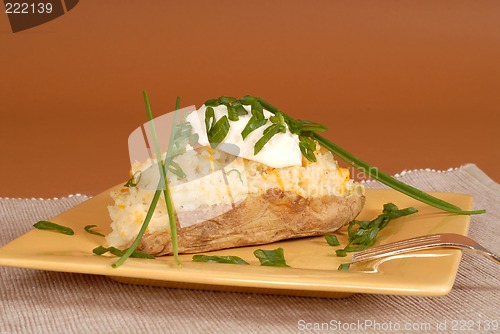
(226, 200)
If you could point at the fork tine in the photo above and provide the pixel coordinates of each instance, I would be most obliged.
(420, 243)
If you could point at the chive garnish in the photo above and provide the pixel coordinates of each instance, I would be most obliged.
(365, 235)
(390, 181)
(46, 225)
(237, 172)
(216, 130)
(166, 191)
(175, 169)
(341, 253)
(332, 240)
(219, 259)
(89, 228)
(99, 250)
(162, 165)
(232, 114)
(344, 266)
(307, 147)
(268, 134)
(118, 252)
(253, 124)
(307, 132)
(274, 258)
(209, 118)
(246, 100)
(134, 180)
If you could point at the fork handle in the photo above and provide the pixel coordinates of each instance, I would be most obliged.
(493, 257)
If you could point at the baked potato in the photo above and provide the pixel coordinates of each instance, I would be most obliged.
(225, 199)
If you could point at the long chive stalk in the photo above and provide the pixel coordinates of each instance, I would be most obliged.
(166, 191)
(156, 196)
(390, 181)
(378, 175)
(163, 167)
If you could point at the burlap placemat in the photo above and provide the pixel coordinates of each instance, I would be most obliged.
(52, 302)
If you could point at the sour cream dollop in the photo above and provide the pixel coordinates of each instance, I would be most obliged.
(282, 150)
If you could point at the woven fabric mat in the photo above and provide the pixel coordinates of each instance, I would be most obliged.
(52, 302)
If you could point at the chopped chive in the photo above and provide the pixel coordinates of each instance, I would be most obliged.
(268, 134)
(239, 108)
(274, 258)
(332, 240)
(247, 100)
(237, 172)
(232, 113)
(226, 100)
(218, 131)
(46, 225)
(175, 169)
(257, 110)
(219, 259)
(357, 247)
(341, 253)
(344, 266)
(99, 250)
(365, 235)
(135, 254)
(134, 180)
(307, 147)
(253, 124)
(118, 252)
(210, 103)
(209, 118)
(89, 228)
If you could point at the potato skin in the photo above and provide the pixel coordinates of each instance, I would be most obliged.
(260, 219)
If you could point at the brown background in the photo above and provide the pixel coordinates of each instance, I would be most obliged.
(402, 84)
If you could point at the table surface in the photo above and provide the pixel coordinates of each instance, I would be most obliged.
(400, 84)
(56, 302)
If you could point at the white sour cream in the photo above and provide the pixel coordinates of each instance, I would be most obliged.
(282, 150)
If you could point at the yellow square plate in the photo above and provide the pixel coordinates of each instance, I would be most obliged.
(313, 263)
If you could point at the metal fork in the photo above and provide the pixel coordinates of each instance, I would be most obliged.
(420, 243)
